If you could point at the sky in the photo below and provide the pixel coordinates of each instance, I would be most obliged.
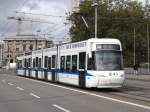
(54, 24)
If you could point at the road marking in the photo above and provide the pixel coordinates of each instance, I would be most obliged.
(92, 94)
(11, 84)
(61, 108)
(34, 95)
(21, 89)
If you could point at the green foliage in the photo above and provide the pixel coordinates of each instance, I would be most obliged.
(116, 19)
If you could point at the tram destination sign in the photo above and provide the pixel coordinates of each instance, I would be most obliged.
(107, 47)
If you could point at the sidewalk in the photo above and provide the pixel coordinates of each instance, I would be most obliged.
(138, 77)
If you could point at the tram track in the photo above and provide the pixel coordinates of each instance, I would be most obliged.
(135, 93)
(130, 92)
(127, 91)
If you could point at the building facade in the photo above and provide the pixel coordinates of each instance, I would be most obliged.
(75, 5)
(18, 45)
(1, 53)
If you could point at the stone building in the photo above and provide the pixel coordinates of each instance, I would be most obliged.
(1, 53)
(18, 45)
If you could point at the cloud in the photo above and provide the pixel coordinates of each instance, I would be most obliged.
(46, 7)
(33, 5)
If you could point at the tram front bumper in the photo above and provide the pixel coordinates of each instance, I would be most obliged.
(110, 83)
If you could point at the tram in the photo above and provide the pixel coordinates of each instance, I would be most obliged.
(91, 63)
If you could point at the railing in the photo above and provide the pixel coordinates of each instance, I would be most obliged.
(141, 71)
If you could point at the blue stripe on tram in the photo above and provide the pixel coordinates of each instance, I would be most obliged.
(56, 70)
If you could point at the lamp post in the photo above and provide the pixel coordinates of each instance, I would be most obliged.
(95, 5)
(134, 35)
(148, 61)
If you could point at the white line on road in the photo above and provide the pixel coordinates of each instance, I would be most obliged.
(11, 84)
(92, 94)
(21, 89)
(34, 95)
(61, 108)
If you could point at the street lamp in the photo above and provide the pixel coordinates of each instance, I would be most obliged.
(95, 5)
(134, 36)
(148, 61)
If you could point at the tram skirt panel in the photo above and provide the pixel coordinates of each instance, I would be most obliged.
(33, 74)
(82, 79)
(49, 76)
(45, 75)
(40, 75)
(27, 73)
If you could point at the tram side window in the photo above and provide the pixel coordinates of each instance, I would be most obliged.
(29, 62)
(91, 62)
(20, 64)
(62, 63)
(68, 62)
(74, 62)
(25, 63)
(45, 61)
(53, 61)
(33, 62)
(49, 62)
(36, 62)
(82, 57)
(39, 63)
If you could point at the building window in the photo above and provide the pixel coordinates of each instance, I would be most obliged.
(31, 47)
(24, 47)
(11, 61)
(17, 49)
(8, 56)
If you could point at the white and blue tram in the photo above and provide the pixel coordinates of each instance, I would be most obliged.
(91, 63)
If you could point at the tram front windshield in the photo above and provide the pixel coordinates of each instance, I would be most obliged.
(106, 60)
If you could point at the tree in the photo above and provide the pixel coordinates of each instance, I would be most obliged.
(116, 19)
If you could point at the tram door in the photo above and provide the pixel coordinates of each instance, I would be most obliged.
(29, 70)
(45, 66)
(82, 58)
(54, 68)
(25, 65)
(36, 63)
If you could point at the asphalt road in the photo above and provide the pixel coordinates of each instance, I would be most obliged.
(19, 94)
